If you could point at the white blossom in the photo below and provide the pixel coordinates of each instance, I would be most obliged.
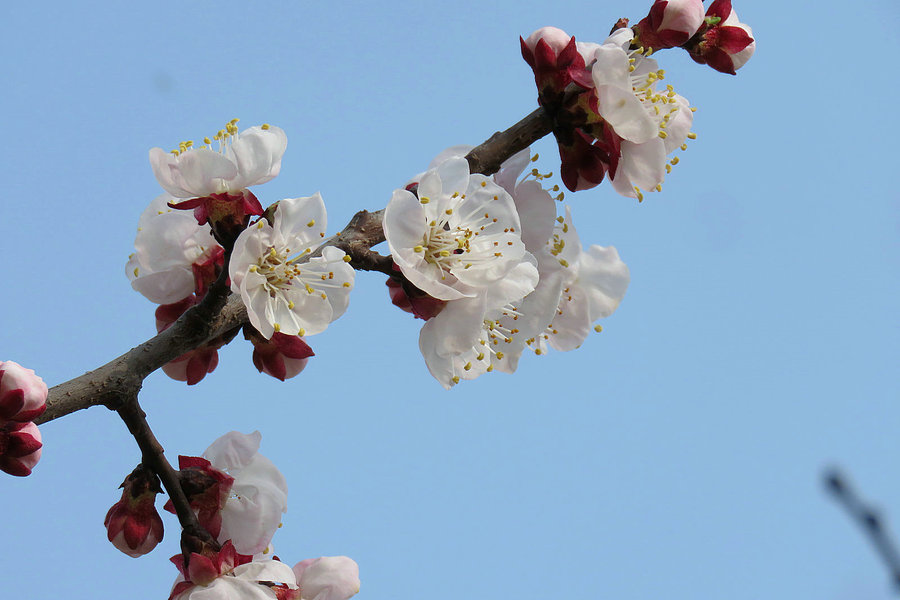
(593, 284)
(258, 495)
(282, 290)
(168, 242)
(327, 578)
(242, 159)
(461, 235)
(652, 123)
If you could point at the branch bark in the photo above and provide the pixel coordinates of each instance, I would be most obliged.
(111, 384)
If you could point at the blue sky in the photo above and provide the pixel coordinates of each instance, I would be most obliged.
(677, 454)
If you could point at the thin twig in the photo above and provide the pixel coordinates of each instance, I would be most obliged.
(868, 520)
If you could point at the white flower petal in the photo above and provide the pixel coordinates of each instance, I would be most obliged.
(328, 578)
(605, 279)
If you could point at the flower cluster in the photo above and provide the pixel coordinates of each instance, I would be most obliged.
(23, 397)
(485, 263)
(239, 497)
(614, 115)
(290, 286)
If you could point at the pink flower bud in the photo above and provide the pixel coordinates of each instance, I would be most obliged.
(20, 448)
(724, 43)
(282, 357)
(132, 524)
(555, 38)
(553, 56)
(327, 578)
(23, 395)
(670, 23)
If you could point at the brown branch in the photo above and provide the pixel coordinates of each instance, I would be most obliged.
(153, 457)
(217, 313)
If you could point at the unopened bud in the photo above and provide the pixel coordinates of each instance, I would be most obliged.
(23, 395)
(20, 447)
(132, 524)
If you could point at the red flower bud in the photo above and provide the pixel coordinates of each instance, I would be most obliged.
(132, 524)
(20, 447)
(23, 395)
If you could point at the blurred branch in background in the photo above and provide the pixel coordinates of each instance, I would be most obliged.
(867, 518)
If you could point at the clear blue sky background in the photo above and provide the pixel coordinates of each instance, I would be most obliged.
(676, 455)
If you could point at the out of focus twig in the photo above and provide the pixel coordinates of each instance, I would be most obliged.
(868, 519)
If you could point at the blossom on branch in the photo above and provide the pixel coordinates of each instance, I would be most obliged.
(170, 249)
(593, 284)
(243, 159)
(458, 237)
(214, 182)
(258, 495)
(647, 124)
(284, 289)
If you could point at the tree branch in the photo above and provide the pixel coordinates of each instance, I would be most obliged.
(153, 457)
(122, 377)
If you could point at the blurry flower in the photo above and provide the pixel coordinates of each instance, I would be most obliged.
(593, 284)
(23, 395)
(20, 447)
(133, 525)
(327, 578)
(281, 293)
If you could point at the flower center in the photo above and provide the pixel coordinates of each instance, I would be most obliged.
(278, 269)
(446, 243)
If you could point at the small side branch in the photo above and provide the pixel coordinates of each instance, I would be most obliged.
(868, 520)
(153, 457)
